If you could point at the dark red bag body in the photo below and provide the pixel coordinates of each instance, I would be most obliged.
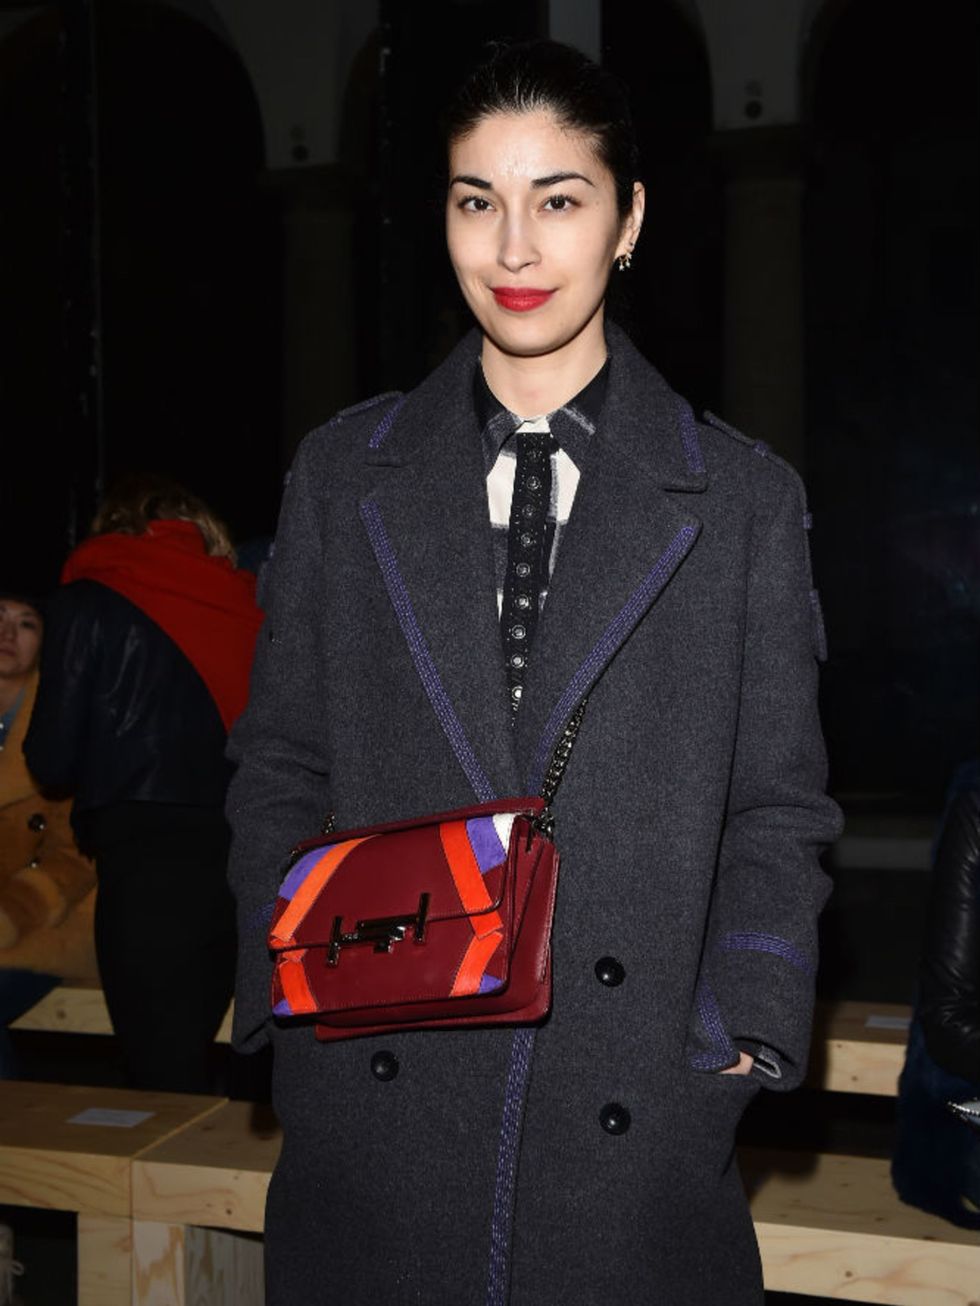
(438, 922)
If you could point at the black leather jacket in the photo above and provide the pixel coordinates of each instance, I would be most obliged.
(121, 714)
(949, 981)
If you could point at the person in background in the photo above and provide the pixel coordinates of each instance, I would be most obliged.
(47, 888)
(936, 1164)
(144, 669)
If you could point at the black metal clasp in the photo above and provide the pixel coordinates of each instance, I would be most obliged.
(383, 931)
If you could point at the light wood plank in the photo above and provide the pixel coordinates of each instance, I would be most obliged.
(60, 1181)
(833, 1226)
(851, 1055)
(215, 1172)
(222, 1267)
(864, 1267)
(105, 1255)
(46, 1160)
(158, 1264)
(81, 1009)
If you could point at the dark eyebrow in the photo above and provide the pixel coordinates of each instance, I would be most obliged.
(540, 183)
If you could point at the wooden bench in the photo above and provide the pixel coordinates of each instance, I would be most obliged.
(69, 1148)
(832, 1226)
(192, 1179)
(827, 1225)
(211, 1176)
(858, 1047)
(80, 1009)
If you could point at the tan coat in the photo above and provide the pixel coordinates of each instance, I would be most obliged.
(47, 888)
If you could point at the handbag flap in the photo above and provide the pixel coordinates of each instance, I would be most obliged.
(420, 912)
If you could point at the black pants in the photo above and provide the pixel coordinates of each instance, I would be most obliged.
(164, 937)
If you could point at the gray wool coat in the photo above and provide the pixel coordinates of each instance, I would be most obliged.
(589, 1160)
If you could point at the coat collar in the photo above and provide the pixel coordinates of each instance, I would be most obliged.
(627, 536)
(439, 413)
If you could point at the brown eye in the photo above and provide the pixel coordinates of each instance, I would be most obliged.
(560, 203)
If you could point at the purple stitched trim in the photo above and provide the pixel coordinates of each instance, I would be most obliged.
(724, 1053)
(689, 438)
(767, 943)
(419, 649)
(385, 425)
(501, 1226)
(711, 1016)
(609, 641)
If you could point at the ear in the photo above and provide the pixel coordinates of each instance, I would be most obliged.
(633, 221)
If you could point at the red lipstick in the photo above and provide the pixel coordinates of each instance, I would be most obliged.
(520, 299)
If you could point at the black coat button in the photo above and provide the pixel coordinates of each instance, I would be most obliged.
(610, 972)
(384, 1066)
(614, 1118)
(37, 823)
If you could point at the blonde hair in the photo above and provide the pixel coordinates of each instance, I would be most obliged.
(135, 501)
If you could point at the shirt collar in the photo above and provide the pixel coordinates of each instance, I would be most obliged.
(572, 425)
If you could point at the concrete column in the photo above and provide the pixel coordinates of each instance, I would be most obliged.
(763, 331)
(319, 356)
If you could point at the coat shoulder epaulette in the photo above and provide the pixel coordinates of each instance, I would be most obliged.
(379, 408)
(388, 396)
(762, 450)
(758, 447)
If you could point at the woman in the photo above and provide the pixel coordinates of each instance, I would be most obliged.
(588, 1159)
(144, 668)
(47, 888)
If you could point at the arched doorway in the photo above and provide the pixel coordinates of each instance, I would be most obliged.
(149, 254)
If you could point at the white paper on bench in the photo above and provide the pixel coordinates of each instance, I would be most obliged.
(104, 1115)
(887, 1022)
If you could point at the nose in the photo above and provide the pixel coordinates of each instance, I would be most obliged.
(517, 247)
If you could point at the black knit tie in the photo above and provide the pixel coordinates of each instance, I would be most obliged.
(529, 542)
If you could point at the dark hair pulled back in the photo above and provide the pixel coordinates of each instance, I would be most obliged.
(546, 75)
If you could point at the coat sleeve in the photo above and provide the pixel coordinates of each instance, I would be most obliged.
(949, 976)
(756, 986)
(280, 793)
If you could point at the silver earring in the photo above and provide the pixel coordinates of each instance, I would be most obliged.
(625, 262)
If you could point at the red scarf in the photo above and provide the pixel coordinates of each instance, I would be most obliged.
(205, 606)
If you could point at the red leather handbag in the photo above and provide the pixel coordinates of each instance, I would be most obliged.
(438, 922)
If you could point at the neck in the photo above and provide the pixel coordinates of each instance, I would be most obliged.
(11, 687)
(531, 386)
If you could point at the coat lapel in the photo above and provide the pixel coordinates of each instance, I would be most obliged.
(629, 532)
(427, 518)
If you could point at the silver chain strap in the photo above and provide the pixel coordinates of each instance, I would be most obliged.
(559, 758)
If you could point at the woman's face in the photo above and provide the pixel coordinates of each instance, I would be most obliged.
(20, 638)
(533, 230)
